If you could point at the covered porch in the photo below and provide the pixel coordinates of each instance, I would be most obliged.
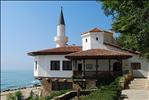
(95, 63)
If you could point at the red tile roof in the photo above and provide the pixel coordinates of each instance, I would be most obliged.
(121, 48)
(57, 51)
(98, 53)
(94, 30)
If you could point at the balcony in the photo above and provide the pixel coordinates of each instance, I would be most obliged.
(92, 74)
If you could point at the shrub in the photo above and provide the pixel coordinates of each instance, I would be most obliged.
(10, 96)
(15, 96)
(107, 92)
(58, 93)
(18, 95)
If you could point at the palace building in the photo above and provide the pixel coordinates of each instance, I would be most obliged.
(99, 55)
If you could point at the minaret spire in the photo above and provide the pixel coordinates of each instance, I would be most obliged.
(61, 18)
(61, 39)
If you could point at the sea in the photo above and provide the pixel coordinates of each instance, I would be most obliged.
(14, 79)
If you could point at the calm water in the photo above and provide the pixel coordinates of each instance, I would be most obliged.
(11, 79)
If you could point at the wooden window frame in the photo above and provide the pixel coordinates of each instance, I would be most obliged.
(55, 65)
(136, 65)
(35, 65)
(89, 66)
(67, 66)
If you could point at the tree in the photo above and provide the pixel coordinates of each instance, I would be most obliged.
(131, 19)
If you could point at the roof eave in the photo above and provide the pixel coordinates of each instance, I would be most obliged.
(98, 57)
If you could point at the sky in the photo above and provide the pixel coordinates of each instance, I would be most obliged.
(31, 25)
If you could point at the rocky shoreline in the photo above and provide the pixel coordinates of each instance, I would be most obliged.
(26, 91)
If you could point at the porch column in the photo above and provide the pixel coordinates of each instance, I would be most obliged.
(74, 67)
(121, 61)
(96, 66)
(109, 65)
(83, 67)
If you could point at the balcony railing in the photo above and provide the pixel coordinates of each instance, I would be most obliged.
(93, 74)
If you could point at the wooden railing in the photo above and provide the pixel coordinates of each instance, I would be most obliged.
(92, 74)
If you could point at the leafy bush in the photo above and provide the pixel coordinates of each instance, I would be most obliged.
(107, 92)
(58, 93)
(52, 95)
(10, 96)
(17, 95)
(105, 80)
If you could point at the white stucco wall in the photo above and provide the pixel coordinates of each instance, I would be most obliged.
(86, 45)
(43, 67)
(143, 72)
(60, 30)
(60, 38)
(92, 43)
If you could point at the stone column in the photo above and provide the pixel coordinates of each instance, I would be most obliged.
(47, 86)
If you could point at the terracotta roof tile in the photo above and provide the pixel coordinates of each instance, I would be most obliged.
(56, 51)
(94, 30)
(98, 53)
(121, 48)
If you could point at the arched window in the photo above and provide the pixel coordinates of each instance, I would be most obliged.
(96, 38)
(86, 40)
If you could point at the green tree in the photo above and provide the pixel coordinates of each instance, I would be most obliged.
(131, 19)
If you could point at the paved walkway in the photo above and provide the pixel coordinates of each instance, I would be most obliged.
(133, 94)
(139, 90)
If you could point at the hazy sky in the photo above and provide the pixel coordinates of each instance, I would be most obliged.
(31, 25)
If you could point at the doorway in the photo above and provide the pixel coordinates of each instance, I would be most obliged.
(117, 67)
(80, 69)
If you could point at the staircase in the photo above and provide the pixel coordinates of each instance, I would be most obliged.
(139, 83)
(138, 90)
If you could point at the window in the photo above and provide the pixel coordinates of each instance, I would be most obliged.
(96, 38)
(86, 40)
(136, 66)
(89, 66)
(35, 65)
(67, 65)
(55, 65)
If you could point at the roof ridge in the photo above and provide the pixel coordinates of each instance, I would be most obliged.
(96, 29)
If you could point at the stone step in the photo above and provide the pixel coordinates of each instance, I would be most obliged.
(138, 81)
(137, 88)
(140, 87)
(138, 84)
(140, 78)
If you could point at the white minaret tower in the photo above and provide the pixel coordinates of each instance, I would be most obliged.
(61, 39)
